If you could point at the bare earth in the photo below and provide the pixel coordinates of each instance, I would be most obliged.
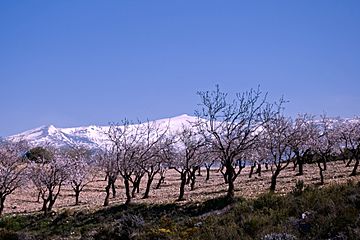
(24, 200)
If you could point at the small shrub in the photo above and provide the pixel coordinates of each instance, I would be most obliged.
(298, 188)
(278, 236)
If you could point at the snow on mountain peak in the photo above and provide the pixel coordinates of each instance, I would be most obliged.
(91, 136)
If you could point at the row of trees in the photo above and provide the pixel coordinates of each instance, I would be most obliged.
(230, 133)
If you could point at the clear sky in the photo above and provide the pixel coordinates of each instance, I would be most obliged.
(72, 63)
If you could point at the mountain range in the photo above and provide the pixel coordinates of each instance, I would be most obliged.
(90, 136)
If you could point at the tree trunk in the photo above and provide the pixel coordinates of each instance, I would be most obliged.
(199, 171)
(38, 197)
(77, 194)
(321, 176)
(2, 200)
(353, 173)
(136, 187)
(273, 180)
(258, 170)
(113, 188)
(192, 182)
(182, 186)
(188, 178)
(51, 204)
(321, 173)
(252, 170)
(161, 180)
(301, 168)
(349, 162)
(127, 190)
(230, 181)
(107, 190)
(148, 186)
(44, 206)
(207, 174)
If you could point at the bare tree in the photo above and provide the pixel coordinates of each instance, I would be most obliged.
(133, 144)
(108, 162)
(232, 127)
(348, 132)
(277, 136)
(12, 168)
(49, 178)
(325, 144)
(162, 172)
(80, 169)
(185, 155)
(304, 132)
(153, 163)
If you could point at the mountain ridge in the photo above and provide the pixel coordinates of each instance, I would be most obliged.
(92, 136)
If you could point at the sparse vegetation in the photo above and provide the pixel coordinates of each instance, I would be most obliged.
(328, 213)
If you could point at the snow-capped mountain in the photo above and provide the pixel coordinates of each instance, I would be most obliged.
(90, 136)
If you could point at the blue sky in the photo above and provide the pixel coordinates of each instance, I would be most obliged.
(72, 63)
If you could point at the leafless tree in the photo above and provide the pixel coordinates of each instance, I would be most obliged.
(12, 168)
(304, 132)
(184, 155)
(232, 127)
(133, 144)
(107, 161)
(277, 137)
(325, 144)
(348, 132)
(81, 168)
(162, 173)
(154, 162)
(50, 177)
(209, 159)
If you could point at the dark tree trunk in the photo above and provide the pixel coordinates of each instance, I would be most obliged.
(207, 173)
(224, 174)
(38, 197)
(295, 165)
(301, 168)
(148, 186)
(273, 179)
(127, 190)
(161, 180)
(230, 180)
(107, 191)
(252, 170)
(182, 186)
(110, 184)
(51, 204)
(136, 186)
(113, 188)
(354, 171)
(349, 162)
(321, 176)
(199, 171)
(266, 166)
(321, 172)
(77, 194)
(192, 179)
(2, 201)
(188, 178)
(44, 206)
(258, 170)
